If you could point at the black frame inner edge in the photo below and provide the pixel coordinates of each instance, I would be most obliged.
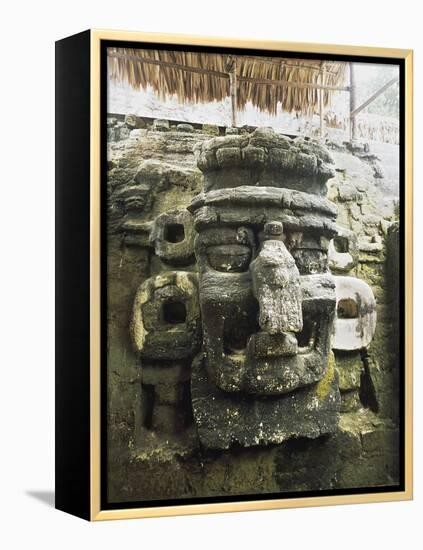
(105, 505)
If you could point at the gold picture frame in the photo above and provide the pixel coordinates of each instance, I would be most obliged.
(91, 509)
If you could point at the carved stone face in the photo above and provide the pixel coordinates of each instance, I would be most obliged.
(267, 297)
(264, 302)
(267, 306)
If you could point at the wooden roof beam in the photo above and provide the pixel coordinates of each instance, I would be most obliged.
(168, 64)
(373, 97)
(220, 74)
(294, 84)
(283, 62)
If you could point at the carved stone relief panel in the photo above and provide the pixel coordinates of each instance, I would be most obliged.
(237, 318)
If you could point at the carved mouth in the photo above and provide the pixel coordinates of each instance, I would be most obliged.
(236, 337)
(242, 341)
(270, 364)
(279, 375)
(307, 337)
(234, 350)
(243, 337)
(238, 329)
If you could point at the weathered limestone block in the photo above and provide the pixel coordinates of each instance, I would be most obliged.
(312, 147)
(167, 418)
(161, 175)
(350, 401)
(231, 131)
(371, 220)
(172, 237)
(111, 134)
(166, 334)
(222, 420)
(355, 320)
(369, 455)
(133, 121)
(378, 171)
(358, 146)
(370, 245)
(343, 251)
(268, 138)
(165, 390)
(348, 192)
(350, 369)
(169, 394)
(185, 127)
(349, 366)
(228, 156)
(264, 158)
(124, 132)
(136, 233)
(137, 133)
(117, 131)
(267, 196)
(380, 386)
(298, 211)
(280, 157)
(161, 125)
(173, 372)
(371, 248)
(165, 323)
(254, 156)
(135, 198)
(246, 129)
(212, 129)
(309, 253)
(152, 178)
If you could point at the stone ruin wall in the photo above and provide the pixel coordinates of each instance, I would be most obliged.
(166, 461)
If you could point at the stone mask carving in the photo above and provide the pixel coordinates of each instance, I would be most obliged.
(263, 299)
(267, 298)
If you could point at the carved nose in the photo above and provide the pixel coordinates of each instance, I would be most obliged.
(276, 286)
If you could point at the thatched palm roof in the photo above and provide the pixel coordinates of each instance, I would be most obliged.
(203, 77)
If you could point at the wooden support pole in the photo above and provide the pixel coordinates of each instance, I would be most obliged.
(322, 130)
(230, 66)
(234, 96)
(321, 106)
(353, 102)
(374, 96)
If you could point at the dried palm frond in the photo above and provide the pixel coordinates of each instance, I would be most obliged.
(202, 77)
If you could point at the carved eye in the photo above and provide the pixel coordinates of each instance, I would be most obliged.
(174, 232)
(347, 309)
(174, 313)
(341, 245)
(309, 261)
(229, 258)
